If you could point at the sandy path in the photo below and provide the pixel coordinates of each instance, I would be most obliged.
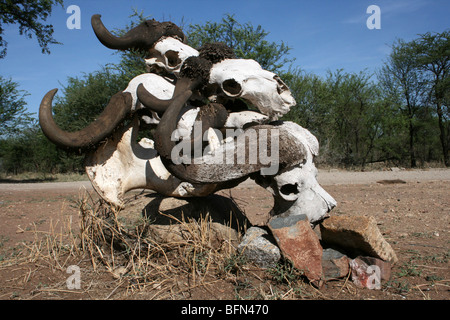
(325, 177)
(333, 177)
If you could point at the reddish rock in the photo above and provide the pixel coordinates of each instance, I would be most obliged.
(385, 267)
(299, 244)
(369, 272)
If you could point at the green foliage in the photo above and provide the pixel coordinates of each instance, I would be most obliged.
(13, 115)
(401, 115)
(28, 151)
(417, 75)
(247, 41)
(27, 14)
(83, 99)
(432, 54)
(285, 272)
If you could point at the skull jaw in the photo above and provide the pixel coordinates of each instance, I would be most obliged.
(310, 203)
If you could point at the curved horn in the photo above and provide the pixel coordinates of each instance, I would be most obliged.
(218, 168)
(194, 73)
(142, 36)
(215, 169)
(150, 101)
(115, 112)
(168, 123)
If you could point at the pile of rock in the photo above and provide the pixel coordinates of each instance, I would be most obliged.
(339, 247)
(346, 246)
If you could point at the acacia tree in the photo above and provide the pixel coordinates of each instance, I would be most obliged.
(247, 41)
(13, 115)
(433, 57)
(401, 78)
(27, 14)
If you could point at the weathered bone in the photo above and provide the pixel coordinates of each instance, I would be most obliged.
(295, 189)
(241, 78)
(141, 37)
(122, 164)
(169, 54)
(119, 106)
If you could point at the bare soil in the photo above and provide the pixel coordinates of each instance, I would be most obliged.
(411, 208)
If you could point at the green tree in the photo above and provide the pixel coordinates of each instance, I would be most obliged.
(83, 99)
(356, 113)
(346, 112)
(29, 151)
(27, 14)
(312, 109)
(401, 78)
(247, 41)
(13, 115)
(433, 57)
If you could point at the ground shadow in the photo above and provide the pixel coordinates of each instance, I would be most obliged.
(215, 207)
(31, 180)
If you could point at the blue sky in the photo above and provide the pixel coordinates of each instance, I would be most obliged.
(324, 35)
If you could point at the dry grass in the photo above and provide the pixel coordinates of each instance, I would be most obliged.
(141, 264)
(123, 261)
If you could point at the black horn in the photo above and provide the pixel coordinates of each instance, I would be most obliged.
(150, 101)
(115, 112)
(141, 37)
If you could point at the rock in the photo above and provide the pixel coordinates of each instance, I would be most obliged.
(334, 264)
(368, 272)
(299, 244)
(356, 235)
(165, 210)
(171, 220)
(119, 272)
(181, 232)
(257, 248)
(385, 267)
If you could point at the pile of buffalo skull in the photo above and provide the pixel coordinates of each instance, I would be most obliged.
(215, 120)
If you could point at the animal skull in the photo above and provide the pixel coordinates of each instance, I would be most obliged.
(159, 86)
(296, 190)
(122, 164)
(169, 54)
(246, 79)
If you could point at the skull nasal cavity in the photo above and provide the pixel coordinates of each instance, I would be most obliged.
(288, 189)
(172, 58)
(231, 87)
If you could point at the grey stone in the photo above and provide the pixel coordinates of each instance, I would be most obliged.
(283, 222)
(257, 248)
(335, 264)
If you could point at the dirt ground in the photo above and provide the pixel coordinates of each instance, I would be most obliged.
(411, 208)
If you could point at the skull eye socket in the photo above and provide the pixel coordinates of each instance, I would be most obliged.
(173, 59)
(281, 87)
(231, 87)
(289, 189)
